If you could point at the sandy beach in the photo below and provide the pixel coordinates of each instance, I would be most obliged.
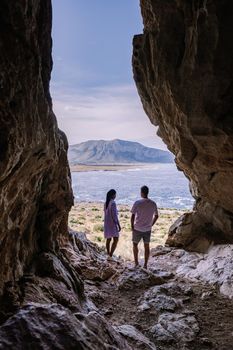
(88, 218)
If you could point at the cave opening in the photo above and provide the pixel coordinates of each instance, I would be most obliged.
(57, 289)
(97, 105)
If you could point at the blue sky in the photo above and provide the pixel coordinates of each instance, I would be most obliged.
(93, 91)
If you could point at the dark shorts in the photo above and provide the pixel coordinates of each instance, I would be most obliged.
(138, 235)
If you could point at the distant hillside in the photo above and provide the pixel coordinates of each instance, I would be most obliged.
(116, 152)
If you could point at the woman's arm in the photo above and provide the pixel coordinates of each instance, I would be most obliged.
(115, 215)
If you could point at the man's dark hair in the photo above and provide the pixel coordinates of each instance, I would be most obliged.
(145, 190)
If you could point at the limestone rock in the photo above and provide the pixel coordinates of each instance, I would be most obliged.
(171, 327)
(160, 250)
(183, 65)
(166, 275)
(185, 233)
(38, 326)
(160, 302)
(168, 297)
(137, 339)
(100, 272)
(215, 267)
(85, 257)
(49, 265)
(138, 278)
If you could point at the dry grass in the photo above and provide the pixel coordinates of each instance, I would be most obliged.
(88, 218)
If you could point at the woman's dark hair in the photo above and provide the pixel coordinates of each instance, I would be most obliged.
(109, 196)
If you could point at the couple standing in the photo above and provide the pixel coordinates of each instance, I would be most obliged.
(144, 216)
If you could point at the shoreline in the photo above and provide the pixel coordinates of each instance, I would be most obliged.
(97, 203)
(111, 167)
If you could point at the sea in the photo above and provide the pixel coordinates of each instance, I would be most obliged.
(168, 186)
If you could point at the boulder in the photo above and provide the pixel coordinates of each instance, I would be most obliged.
(214, 267)
(185, 233)
(166, 297)
(38, 326)
(98, 272)
(135, 337)
(159, 302)
(138, 278)
(182, 328)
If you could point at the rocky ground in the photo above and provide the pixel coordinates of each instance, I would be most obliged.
(81, 300)
(88, 218)
(163, 309)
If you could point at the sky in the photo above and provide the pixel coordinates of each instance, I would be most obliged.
(94, 95)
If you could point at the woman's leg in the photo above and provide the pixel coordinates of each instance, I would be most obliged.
(114, 245)
(108, 241)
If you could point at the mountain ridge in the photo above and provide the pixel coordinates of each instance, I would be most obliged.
(102, 152)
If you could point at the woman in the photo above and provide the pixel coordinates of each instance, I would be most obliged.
(111, 223)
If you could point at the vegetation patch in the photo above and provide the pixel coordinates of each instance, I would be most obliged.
(89, 219)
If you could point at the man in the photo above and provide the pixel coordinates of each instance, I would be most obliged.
(144, 216)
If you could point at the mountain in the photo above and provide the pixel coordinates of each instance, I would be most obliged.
(116, 152)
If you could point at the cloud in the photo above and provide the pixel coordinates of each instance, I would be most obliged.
(105, 112)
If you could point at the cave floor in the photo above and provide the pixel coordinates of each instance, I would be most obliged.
(170, 306)
(213, 311)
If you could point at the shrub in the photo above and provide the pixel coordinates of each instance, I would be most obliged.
(98, 217)
(73, 221)
(95, 209)
(99, 238)
(98, 228)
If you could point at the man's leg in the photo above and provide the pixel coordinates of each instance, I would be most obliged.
(114, 245)
(108, 241)
(147, 254)
(135, 253)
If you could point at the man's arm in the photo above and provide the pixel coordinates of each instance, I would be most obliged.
(156, 216)
(132, 221)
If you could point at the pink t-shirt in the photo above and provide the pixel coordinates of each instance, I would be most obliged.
(144, 211)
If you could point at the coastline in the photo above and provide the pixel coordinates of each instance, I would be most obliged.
(100, 203)
(109, 167)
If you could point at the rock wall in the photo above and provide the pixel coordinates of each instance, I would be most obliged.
(35, 186)
(183, 69)
(42, 299)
